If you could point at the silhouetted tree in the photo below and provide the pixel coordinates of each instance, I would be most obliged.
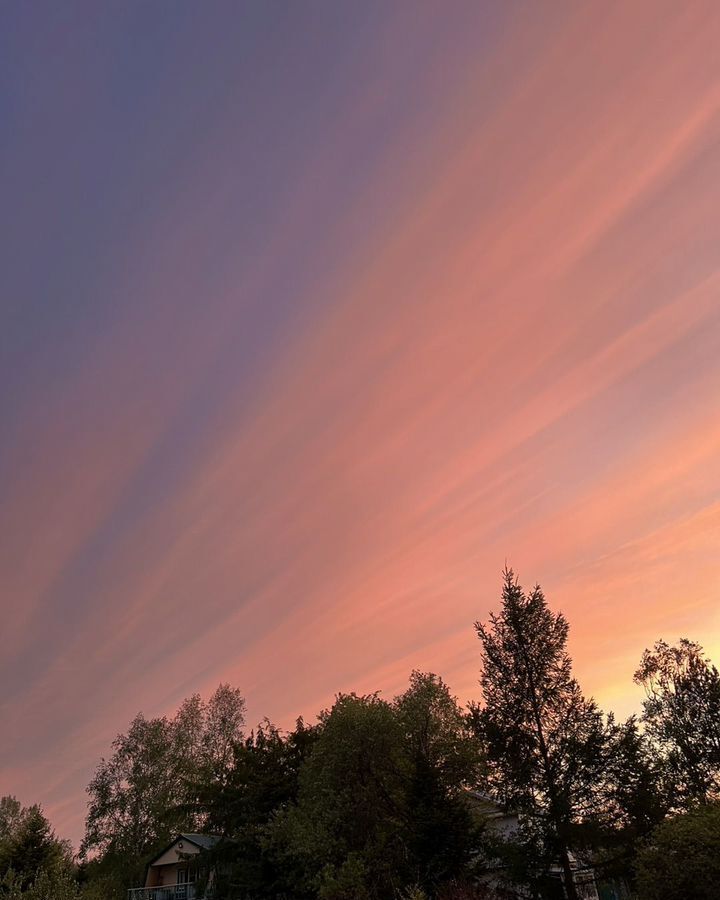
(633, 798)
(444, 758)
(262, 782)
(346, 831)
(147, 790)
(30, 850)
(544, 740)
(382, 803)
(682, 716)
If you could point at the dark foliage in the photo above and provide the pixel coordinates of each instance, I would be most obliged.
(545, 741)
(681, 858)
(682, 716)
(405, 799)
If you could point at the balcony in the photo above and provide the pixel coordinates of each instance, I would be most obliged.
(167, 892)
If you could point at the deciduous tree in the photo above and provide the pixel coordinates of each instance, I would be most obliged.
(681, 858)
(444, 759)
(260, 785)
(633, 798)
(147, 789)
(346, 831)
(682, 716)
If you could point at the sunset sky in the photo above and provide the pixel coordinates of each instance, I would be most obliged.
(313, 315)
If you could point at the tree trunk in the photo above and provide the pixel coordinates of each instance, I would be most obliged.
(555, 812)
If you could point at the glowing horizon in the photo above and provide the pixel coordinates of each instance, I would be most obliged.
(314, 317)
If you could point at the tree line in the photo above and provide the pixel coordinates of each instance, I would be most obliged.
(387, 799)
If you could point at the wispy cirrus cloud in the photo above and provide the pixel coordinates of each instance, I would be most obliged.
(376, 305)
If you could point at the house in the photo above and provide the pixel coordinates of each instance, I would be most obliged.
(173, 873)
(501, 822)
(504, 824)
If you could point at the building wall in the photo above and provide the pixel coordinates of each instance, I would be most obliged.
(164, 869)
(161, 875)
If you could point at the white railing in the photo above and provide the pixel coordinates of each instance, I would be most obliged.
(164, 892)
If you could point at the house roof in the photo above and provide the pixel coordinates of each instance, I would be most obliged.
(201, 841)
(204, 841)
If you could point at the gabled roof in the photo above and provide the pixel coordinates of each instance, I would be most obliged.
(204, 841)
(201, 841)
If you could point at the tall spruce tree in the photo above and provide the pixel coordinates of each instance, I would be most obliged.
(544, 739)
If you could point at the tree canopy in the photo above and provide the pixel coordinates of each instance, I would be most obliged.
(147, 790)
(395, 799)
(682, 716)
(32, 857)
(681, 858)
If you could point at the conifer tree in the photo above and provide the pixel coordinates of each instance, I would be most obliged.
(544, 739)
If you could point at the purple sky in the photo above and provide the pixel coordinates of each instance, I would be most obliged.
(313, 315)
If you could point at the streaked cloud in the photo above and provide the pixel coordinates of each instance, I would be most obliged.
(372, 304)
